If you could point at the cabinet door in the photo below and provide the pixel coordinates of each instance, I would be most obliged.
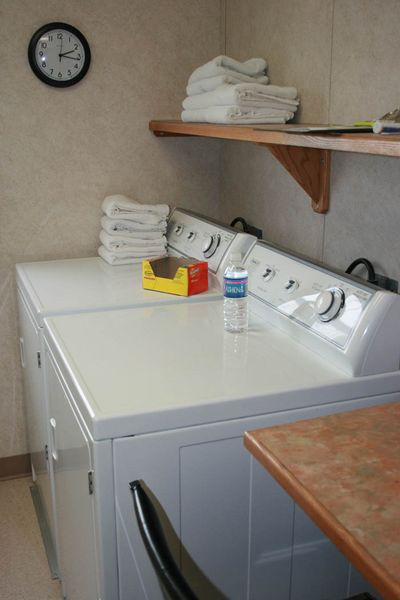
(72, 464)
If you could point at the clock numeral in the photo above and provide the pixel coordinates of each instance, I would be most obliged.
(51, 70)
(43, 65)
(43, 45)
(76, 66)
(69, 39)
(78, 57)
(59, 74)
(59, 35)
(50, 38)
(76, 46)
(41, 53)
(69, 72)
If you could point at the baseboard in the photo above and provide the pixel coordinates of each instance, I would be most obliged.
(15, 466)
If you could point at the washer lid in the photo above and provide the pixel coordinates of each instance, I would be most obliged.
(158, 368)
(90, 284)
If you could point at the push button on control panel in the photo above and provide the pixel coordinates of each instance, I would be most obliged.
(179, 229)
(291, 285)
(268, 274)
(191, 235)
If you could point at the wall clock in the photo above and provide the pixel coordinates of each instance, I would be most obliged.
(59, 54)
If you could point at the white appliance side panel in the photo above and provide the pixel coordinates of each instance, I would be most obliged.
(33, 387)
(202, 479)
(105, 530)
(72, 461)
(36, 407)
(317, 565)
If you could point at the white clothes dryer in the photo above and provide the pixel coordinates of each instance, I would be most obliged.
(164, 395)
(88, 285)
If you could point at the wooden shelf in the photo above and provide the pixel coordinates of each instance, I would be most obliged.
(307, 157)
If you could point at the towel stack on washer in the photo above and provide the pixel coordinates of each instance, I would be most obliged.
(132, 231)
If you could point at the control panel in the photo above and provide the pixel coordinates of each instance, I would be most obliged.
(195, 236)
(319, 300)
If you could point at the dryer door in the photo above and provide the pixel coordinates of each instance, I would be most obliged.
(72, 463)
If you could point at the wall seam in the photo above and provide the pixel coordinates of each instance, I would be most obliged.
(329, 119)
(223, 46)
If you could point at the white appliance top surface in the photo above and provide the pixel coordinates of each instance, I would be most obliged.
(90, 284)
(131, 383)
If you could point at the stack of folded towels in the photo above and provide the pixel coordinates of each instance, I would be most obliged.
(225, 90)
(132, 231)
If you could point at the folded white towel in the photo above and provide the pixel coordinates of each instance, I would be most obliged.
(126, 243)
(252, 67)
(119, 206)
(123, 258)
(245, 95)
(210, 83)
(134, 228)
(234, 114)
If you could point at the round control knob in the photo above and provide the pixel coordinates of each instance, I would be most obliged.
(268, 274)
(324, 302)
(191, 235)
(328, 304)
(291, 285)
(179, 229)
(210, 245)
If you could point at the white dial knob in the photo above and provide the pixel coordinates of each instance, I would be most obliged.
(328, 303)
(210, 245)
(324, 302)
(179, 229)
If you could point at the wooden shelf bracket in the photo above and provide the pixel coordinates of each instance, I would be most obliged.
(310, 167)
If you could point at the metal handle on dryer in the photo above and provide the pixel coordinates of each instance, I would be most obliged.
(156, 545)
(53, 426)
(22, 352)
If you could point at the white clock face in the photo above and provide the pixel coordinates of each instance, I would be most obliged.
(60, 55)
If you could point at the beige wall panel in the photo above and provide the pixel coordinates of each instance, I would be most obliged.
(294, 38)
(259, 189)
(366, 44)
(63, 150)
(364, 219)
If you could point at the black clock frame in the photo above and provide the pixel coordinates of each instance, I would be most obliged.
(36, 69)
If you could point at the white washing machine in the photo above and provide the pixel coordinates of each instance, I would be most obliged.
(90, 284)
(163, 394)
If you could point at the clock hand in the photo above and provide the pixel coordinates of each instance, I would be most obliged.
(71, 57)
(61, 45)
(65, 53)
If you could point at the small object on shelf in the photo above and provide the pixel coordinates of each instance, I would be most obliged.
(386, 127)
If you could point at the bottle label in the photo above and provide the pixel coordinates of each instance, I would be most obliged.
(235, 288)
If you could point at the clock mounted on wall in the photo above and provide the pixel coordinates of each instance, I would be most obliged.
(59, 54)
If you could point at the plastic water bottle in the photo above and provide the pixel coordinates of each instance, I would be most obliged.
(235, 295)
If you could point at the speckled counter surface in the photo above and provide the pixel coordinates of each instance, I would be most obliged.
(344, 471)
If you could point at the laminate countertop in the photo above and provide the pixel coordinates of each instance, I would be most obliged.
(344, 471)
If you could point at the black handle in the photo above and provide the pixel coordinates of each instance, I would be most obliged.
(156, 545)
(367, 264)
